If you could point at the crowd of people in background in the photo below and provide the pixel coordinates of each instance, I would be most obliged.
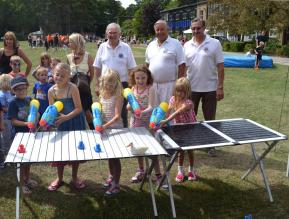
(176, 72)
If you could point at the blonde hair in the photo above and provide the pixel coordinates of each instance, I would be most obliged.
(15, 58)
(40, 70)
(62, 66)
(12, 35)
(5, 82)
(79, 42)
(45, 55)
(182, 85)
(112, 78)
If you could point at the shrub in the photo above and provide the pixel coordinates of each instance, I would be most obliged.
(249, 46)
(273, 46)
(237, 46)
(226, 46)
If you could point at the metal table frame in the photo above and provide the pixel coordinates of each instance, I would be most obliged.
(170, 144)
(115, 146)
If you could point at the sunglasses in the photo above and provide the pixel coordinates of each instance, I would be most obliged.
(16, 64)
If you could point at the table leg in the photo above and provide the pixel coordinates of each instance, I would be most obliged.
(287, 174)
(170, 188)
(149, 176)
(259, 159)
(168, 168)
(148, 171)
(18, 191)
(262, 169)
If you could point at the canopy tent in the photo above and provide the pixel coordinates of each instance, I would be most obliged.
(190, 31)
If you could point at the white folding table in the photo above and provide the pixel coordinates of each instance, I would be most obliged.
(219, 133)
(44, 147)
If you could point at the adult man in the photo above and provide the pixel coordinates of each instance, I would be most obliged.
(205, 70)
(117, 56)
(165, 59)
(262, 38)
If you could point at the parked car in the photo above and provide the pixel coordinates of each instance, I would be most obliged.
(220, 38)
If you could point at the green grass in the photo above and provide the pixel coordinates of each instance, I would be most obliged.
(219, 193)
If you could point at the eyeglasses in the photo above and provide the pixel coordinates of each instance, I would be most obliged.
(196, 28)
(20, 89)
(16, 64)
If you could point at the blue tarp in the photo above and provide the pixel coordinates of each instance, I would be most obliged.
(246, 61)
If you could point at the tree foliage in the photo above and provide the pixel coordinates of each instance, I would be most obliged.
(247, 16)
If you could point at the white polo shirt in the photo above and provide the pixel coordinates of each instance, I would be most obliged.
(202, 61)
(164, 60)
(119, 59)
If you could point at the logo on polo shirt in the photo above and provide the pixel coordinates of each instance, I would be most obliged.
(120, 55)
(206, 49)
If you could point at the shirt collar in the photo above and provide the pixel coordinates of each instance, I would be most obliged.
(204, 42)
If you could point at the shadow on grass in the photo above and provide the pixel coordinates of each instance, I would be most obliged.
(235, 160)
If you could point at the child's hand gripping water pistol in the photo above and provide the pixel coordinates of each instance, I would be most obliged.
(158, 114)
(128, 94)
(32, 117)
(49, 116)
(97, 119)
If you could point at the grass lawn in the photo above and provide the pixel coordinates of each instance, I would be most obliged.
(219, 192)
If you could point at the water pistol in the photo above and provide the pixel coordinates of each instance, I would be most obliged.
(33, 111)
(158, 114)
(128, 94)
(97, 119)
(49, 116)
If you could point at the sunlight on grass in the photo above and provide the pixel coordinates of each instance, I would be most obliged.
(219, 192)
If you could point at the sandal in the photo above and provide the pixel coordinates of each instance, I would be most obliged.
(112, 191)
(55, 185)
(79, 184)
(31, 184)
(26, 190)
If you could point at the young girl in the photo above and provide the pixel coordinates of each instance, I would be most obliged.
(141, 81)
(41, 87)
(45, 61)
(181, 110)
(111, 100)
(5, 98)
(71, 118)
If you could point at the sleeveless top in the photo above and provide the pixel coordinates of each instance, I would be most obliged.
(77, 122)
(143, 101)
(81, 67)
(5, 62)
(108, 106)
(187, 116)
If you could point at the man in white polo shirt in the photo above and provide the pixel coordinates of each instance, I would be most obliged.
(117, 56)
(205, 70)
(165, 59)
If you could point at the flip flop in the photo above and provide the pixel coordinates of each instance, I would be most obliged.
(79, 184)
(54, 186)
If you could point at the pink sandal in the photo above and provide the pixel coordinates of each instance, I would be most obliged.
(55, 185)
(79, 184)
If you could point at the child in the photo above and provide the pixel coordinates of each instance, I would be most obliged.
(41, 88)
(141, 81)
(18, 111)
(71, 118)
(45, 61)
(5, 98)
(111, 100)
(2, 150)
(15, 63)
(181, 109)
(259, 52)
(54, 62)
(250, 53)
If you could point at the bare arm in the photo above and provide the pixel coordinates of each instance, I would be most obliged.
(221, 76)
(16, 122)
(26, 60)
(97, 72)
(181, 70)
(90, 68)
(151, 104)
(117, 112)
